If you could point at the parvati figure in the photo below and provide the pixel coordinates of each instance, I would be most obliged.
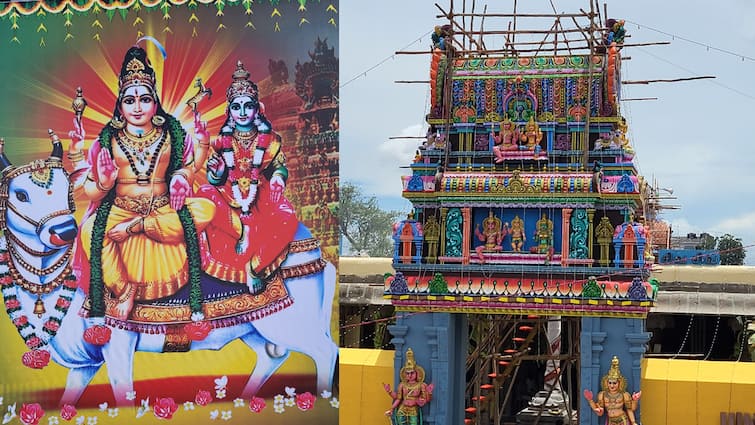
(247, 174)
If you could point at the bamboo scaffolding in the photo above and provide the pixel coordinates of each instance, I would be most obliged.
(669, 80)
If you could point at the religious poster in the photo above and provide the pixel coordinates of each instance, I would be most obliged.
(169, 184)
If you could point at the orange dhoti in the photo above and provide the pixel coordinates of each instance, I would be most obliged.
(153, 261)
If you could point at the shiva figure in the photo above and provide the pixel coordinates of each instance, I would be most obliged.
(492, 235)
(517, 234)
(614, 400)
(506, 140)
(247, 176)
(141, 225)
(412, 393)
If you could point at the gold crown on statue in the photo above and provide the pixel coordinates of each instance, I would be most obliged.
(136, 75)
(614, 374)
(241, 86)
(411, 365)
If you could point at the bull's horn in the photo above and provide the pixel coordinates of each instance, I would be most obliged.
(57, 147)
(4, 163)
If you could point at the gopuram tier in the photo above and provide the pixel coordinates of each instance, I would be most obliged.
(525, 195)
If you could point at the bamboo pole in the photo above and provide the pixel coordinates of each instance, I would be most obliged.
(670, 80)
(520, 15)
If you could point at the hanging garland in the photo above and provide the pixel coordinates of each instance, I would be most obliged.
(37, 358)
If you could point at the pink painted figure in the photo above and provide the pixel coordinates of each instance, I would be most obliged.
(412, 393)
(492, 235)
(506, 140)
(614, 400)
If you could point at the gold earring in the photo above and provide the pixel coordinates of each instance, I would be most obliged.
(117, 123)
(158, 121)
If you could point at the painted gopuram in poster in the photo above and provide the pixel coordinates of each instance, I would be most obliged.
(169, 180)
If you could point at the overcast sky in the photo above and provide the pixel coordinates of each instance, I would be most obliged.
(697, 138)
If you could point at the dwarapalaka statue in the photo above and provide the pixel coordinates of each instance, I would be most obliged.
(614, 400)
(412, 393)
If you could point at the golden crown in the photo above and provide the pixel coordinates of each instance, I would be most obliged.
(241, 86)
(136, 75)
(614, 373)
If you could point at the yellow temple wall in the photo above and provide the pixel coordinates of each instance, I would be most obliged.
(673, 391)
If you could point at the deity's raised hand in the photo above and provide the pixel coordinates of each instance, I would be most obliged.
(277, 186)
(636, 396)
(106, 170)
(588, 395)
(200, 129)
(77, 136)
(179, 190)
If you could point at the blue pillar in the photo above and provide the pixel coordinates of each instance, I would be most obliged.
(439, 342)
(600, 340)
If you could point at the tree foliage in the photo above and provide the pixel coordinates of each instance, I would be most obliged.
(731, 250)
(366, 226)
(706, 241)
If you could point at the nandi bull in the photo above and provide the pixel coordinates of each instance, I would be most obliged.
(43, 301)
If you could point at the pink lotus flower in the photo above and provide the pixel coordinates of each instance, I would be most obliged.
(33, 342)
(257, 404)
(305, 401)
(30, 414)
(97, 335)
(12, 304)
(164, 408)
(36, 359)
(68, 412)
(203, 398)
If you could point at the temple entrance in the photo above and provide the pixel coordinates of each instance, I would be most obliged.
(522, 369)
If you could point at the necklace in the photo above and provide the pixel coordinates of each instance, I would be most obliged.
(142, 155)
(248, 163)
(37, 271)
(34, 340)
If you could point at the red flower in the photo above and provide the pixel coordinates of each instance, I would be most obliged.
(97, 335)
(203, 398)
(21, 321)
(67, 412)
(12, 304)
(30, 414)
(36, 359)
(33, 342)
(5, 280)
(305, 401)
(256, 404)
(63, 303)
(4, 257)
(164, 408)
(52, 325)
(197, 331)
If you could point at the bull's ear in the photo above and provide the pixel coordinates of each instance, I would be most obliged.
(4, 163)
(57, 146)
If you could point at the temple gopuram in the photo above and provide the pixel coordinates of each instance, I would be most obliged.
(522, 271)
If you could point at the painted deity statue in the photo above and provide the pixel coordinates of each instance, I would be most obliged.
(492, 235)
(412, 393)
(544, 234)
(140, 171)
(506, 140)
(614, 400)
(247, 177)
(532, 134)
(517, 234)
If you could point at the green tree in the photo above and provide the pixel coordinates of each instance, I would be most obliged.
(731, 250)
(363, 223)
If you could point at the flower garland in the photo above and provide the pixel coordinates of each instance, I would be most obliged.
(96, 284)
(36, 358)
